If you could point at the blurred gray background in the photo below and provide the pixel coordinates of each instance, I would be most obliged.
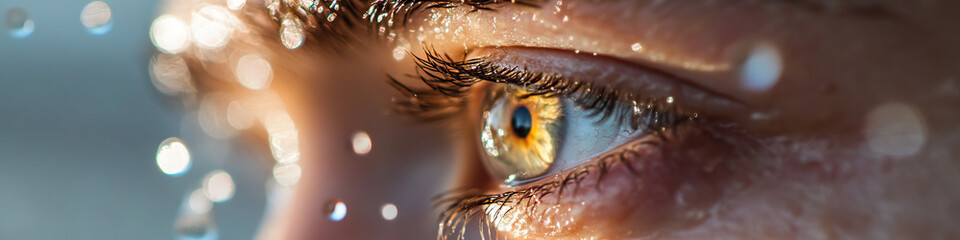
(80, 123)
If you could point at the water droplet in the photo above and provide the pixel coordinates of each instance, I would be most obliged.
(761, 70)
(169, 34)
(291, 32)
(361, 143)
(96, 17)
(254, 72)
(331, 17)
(895, 129)
(335, 209)
(19, 23)
(287, 174)
(636, 47)
(218, 186)
(173, 158)
(389, 211)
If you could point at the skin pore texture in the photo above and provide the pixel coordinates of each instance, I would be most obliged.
(805, 172)
(854, 136)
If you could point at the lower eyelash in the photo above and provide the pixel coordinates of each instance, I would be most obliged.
(450, 81)
(462, 207)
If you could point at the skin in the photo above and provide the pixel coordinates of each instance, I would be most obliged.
(791, 162)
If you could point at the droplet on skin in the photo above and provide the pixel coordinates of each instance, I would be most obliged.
(636, 47)
(173, 158)
(335, 209)
(762, 68)
(895, 129)
(96, 17)
(361, 143)
(389, 211)
(291, 32)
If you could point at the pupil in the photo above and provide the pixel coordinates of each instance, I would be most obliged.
(521, 121)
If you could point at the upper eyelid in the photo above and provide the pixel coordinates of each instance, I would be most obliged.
(404, 9)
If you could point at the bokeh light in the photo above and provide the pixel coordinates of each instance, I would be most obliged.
(254, 72)
(212, 115)
(335, 209)
(169, 34)
(287, 174)
(389, 211)
(212, 26)
(284, 138)
(218, 186)
(19, 23)
(173, 158)
(198, 202)
(896, 129)
(96, 17)
(170, 74)
(761, 70)
(238, 116)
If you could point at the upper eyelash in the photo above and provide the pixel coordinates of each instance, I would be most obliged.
(450, 80)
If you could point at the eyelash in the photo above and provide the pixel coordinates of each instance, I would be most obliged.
(450, 82)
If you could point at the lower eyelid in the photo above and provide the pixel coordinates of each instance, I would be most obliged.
(638, 176)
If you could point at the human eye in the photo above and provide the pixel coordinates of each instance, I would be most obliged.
(550, 137)
(574, 141)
